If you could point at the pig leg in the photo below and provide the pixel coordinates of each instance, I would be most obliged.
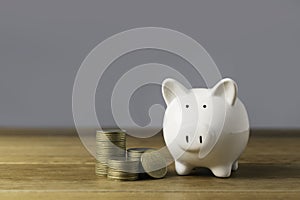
(182, 169)
(235, 165)
(222, 171)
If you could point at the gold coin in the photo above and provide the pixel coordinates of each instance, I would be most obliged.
(111, 135)
(122, 169)
(154, 164)
(109, 144)
(136, 152)
(101, 169)
(123, 164)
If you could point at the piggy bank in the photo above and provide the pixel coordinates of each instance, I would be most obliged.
(205, 127)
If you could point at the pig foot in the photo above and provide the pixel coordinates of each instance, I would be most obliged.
(221, 171)
(182, 169)
(235, 165)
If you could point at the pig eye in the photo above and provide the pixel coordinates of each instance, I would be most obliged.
(204, 106)
(187, 106)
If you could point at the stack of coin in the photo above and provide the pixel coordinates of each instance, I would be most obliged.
(154, 164)
(101, 168)
(109, 144)
(122, 169)
(136, 154)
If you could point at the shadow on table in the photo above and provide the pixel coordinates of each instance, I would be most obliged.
(253, 171)
(265, 171)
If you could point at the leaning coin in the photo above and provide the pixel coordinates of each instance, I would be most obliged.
(154, 164)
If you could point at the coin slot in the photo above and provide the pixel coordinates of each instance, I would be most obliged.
(187, 139)
(200, 139)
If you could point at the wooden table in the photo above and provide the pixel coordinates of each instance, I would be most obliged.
(53, 164)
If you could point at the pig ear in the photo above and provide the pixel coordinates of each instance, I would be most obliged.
(172, 89)
(227, 88)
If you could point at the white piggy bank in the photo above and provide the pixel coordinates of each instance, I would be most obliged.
(205, 127)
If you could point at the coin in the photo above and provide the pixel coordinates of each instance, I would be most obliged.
(136, 152)
(154, 164)
(101, 169)
(122, 169)
(109, 144)
(113, 174)
(111, 135)
(117, 163)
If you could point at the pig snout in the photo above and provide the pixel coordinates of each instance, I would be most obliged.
(187, 139)
(200, 140)
(193, 143)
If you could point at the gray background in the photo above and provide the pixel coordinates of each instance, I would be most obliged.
(42, 44)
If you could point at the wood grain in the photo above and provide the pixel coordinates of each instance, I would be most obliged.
(48, 164)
